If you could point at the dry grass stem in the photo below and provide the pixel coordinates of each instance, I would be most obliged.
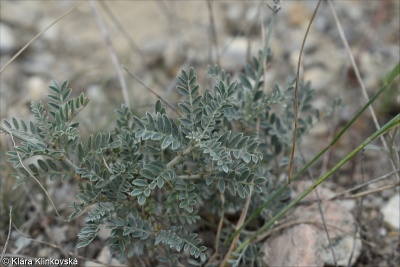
(152, 91)
(37, 36)
(32, 176)
(360, 81)
(8, 235)
(113, 54)
(296, 92)
(238, 225)
(365, 184)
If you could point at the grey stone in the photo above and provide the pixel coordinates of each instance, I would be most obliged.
(391, 212)
(7, 38)
(306, 243)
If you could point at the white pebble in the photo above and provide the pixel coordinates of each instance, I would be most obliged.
(7, 38)
(391, 212)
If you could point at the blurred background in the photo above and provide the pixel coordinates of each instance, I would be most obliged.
(155, 40)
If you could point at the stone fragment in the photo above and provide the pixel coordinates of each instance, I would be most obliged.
(298, 14)
(298, 246)
(37, 88)
(235, 55)
(306, 243)
(104, 257)
(320, 78)
(59, 233)
(391, 212)
(7, 38)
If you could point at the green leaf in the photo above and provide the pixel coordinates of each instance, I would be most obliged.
(15, 123)
(184, 109)
(185, 122)
(242, 142)
(260, 180)
(152, 185)
(81, 152)
(158, 107)
(155, 167)
(167, 124)
(175, 144)
(249, 71)
(98, 140)
(235, 140)
(115, 144)
(140, 182)
(23, 124)
(52, 165)
(246, 157)
(147, 174)
(167, 141)
(141, 199)
(245, 82)
(8, 125)
(32, 127)
(138, 123)
(147, 192)
(221, 185)
(195, 91)
(160, 182)
(150, 122)
(121, 196)
(232, 188)
(33, 168)
(241, 191)
(53, 105)
(66, 94)
(191, 73)
(43, 165)
(83, 244)
(182, 90)
(136, 192)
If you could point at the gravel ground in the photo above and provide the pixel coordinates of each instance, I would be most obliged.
(155, 40)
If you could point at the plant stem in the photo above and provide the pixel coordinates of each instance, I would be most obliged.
(275, 10)
(393, 123)
(389, 80)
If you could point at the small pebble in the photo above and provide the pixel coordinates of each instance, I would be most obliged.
(391, 212)
(7, 38)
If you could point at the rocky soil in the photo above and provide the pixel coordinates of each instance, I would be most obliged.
(155, 40)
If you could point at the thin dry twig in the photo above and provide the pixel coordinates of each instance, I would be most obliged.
(61, 249)
(359, 211)
(242, 215)
(296, 95)
(150, 90)
(122, 29)
(263, 45)
(8, 235)
(238, 225)
(360, 81)
(170, 16)
(244, 30)
(213, 32)
(219, 230)
(113, 54)
(362, 194)
(37, 36)
(125, 34)
(321, 213)
(365, 184)
(32, 176)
